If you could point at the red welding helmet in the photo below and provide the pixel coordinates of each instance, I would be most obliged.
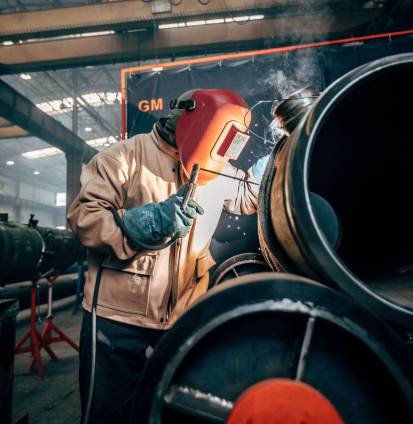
(211, 130)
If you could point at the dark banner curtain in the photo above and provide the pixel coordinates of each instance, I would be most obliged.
(267, 77)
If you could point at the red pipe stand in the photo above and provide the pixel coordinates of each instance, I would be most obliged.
(36, 341)
(50, 326)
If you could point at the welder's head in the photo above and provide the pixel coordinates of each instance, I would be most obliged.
(288, 112)
(175, 113)
(167, 126)
(210, 127)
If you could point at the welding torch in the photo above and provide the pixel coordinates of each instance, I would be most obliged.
(191, 186)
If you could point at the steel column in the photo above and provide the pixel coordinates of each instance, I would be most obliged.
(74, 169)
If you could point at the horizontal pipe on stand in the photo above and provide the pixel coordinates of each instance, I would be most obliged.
(63, 287)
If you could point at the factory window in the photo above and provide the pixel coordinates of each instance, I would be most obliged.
(61, 199)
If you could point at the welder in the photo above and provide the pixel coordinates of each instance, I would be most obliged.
(131, 199)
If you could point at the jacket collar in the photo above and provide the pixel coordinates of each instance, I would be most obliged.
(163, 145)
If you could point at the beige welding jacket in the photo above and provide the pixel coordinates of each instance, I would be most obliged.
(147, 288)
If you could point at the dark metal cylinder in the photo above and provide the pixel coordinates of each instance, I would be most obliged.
(29, 252)
(62, 250)
(353, 150)
(237, 266)
(275, 325)
(21, 249)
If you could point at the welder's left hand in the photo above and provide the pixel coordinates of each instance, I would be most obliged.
(259, 167)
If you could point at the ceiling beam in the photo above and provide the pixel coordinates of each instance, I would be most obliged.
(132, 14)
(194, 40)
(22, 112)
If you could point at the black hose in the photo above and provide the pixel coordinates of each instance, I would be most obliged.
(86, 416)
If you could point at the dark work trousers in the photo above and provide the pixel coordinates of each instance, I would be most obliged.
(120, 358)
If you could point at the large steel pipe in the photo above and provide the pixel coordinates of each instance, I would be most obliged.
(303, 335)
(353, 150)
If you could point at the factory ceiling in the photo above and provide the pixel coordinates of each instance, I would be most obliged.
(134, 30)
(21, 111)
(65, 56)
(98, 120)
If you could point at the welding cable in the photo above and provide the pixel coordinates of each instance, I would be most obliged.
(93, 331)
(229, 176)
(249, 111)
(269, 101)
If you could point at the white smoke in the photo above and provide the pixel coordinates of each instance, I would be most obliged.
(298, 70)
(280, 84)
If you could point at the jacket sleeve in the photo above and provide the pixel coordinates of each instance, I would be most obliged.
(103, 185)
(241, 196)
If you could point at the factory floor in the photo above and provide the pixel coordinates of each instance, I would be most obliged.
(54, 400)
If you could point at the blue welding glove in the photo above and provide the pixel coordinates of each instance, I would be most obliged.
(259, 167)
(154, 221)
(172, 219)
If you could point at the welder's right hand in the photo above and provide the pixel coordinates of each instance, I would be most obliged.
(152, 222)
(175, 220)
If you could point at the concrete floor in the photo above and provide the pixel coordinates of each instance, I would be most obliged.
(54, 400)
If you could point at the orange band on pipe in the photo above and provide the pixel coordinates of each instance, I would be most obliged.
(283, 401)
